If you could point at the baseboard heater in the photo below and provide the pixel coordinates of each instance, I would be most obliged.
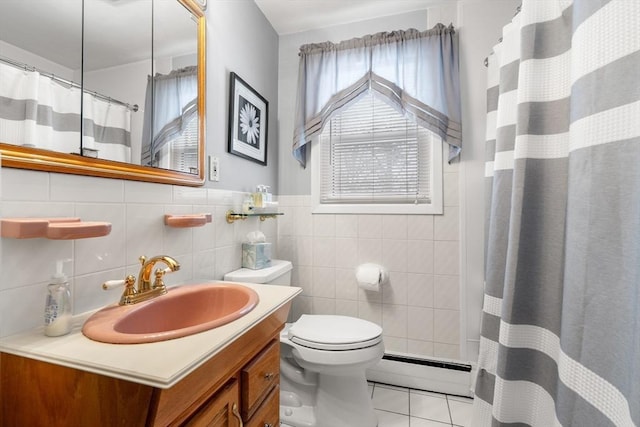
(440, 376)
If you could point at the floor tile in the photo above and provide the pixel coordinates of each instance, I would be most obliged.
(461, 411)
(392, 399)
(429, 406)
(390, 419)
(421, 422)
(404, 407)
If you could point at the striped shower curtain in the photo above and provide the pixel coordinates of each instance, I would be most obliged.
(106, 128)
(37, 111)
(560, 342)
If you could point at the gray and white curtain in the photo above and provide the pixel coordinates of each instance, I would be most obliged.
(39, 110)
(415, 72)
(106, 128)
(560, 342)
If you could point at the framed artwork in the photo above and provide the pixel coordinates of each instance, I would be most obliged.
(248, 117)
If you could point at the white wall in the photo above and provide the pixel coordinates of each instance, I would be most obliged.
(9, 51)
(240, 39)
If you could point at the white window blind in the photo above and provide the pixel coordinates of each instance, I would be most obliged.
(183, 149)
(371, 154)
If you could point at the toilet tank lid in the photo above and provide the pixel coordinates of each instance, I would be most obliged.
(264, 275)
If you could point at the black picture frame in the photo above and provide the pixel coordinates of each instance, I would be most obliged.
(248, 121)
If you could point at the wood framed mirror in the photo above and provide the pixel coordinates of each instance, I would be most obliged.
(88, 156)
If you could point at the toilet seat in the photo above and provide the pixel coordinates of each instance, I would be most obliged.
(334, 333)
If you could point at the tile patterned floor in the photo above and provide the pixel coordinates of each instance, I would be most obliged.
(403, 407)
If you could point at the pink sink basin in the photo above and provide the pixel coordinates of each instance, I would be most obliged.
(183, 311)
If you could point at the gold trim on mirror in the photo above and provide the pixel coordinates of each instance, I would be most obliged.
(19, 157)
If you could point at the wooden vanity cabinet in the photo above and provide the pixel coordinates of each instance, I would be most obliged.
(242, 380)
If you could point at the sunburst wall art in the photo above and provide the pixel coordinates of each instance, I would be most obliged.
(248, 117)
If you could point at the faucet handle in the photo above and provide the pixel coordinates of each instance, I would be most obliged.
(129, 281)
(112, 284)
(129, 289)
(159, 273)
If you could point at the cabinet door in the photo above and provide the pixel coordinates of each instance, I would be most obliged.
(268, 415)
(219, 411)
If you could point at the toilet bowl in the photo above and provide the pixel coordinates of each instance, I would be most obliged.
(322, 362)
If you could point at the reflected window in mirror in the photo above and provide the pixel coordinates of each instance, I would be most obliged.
(170, 135)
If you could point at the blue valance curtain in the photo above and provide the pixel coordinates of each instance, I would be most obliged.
(416, 72)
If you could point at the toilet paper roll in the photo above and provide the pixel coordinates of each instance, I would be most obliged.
(371, 276)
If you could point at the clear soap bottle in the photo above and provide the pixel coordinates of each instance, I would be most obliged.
(258, 197)
(57, 312)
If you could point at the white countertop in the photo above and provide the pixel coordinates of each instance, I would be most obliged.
(161, 364)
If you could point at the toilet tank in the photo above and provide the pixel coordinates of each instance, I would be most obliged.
(278, 274)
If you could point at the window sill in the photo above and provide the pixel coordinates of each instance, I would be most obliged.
(377, 209)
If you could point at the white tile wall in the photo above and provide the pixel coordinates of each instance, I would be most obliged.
(419, 309)
(136, 211)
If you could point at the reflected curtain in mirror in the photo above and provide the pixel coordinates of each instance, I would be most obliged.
(106, 129)
(171, 109)
(38, 110)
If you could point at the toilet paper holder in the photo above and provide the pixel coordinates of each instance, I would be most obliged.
(371, 276)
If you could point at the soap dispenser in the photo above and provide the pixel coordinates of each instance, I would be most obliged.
(57, 312)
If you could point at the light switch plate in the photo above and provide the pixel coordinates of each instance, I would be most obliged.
(214, 169)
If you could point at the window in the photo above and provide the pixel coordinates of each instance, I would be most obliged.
(371, 159)
(181, 153)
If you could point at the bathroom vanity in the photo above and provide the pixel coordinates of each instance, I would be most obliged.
(228, 376)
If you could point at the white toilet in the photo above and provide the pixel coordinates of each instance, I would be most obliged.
(323, 362)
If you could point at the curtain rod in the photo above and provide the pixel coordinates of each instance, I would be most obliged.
(486, 59)
(27, 67)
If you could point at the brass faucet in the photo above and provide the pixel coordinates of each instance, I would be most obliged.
(146, 290)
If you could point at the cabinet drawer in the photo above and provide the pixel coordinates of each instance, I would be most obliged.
(268, 415)
(258, 377)
(221, 410)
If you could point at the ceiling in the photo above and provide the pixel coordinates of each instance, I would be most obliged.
(293, 16)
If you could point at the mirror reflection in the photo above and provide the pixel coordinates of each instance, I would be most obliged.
(138, 69)
(40, 69)
(170, 133)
